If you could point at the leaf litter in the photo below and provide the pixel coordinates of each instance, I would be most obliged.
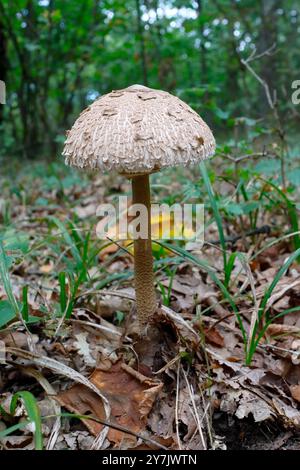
(175, 388)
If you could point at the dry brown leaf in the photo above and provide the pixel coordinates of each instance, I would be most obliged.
(213, 336)
(17, 339)
(288, 413)
(295, 346)
(131, 396)
(108, 305)
(108, 250)
(161, 419)
(250, 403)
(47, 268)
(18, 442)
(295, 392)
(277, 329)
(97, 343)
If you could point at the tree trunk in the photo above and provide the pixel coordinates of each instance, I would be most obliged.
(267, 38)
(140, 31)
(3, 61)
(202, 49)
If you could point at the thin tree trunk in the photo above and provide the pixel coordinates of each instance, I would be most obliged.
(3, 61)
(32, 140)
(267, 38)
(140, 31)
(202, 49)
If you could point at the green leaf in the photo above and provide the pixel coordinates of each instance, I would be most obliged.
(33, 319)
(119, 316)
(234, 208)
(7, 313)
(250, 206)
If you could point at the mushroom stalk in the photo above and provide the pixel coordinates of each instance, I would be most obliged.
(146, 302)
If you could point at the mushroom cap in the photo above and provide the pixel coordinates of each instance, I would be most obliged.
(138, 130)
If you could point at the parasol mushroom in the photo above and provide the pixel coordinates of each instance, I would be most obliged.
(137, 131)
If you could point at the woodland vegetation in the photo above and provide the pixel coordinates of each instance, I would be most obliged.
(224, 371)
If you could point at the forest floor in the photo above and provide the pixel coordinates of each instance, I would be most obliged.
(220, 367)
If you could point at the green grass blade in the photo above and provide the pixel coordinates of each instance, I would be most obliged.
(62, 291)
(11, 429)
(272, 320)
(186, 255)
(275, 281)
(25, 307)
(263, 304)
(33, 414)
(68, 239)
(4, 275)
(292, 213)
(214, 206)
(228, 268)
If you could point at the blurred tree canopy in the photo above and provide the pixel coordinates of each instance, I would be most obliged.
(57, 56)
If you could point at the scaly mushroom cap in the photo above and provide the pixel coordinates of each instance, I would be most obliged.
(138, 130)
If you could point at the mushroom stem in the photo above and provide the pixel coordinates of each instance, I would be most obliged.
(146, 302)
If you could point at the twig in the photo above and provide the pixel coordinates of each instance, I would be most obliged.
(254, 56)
(118, 427)
(246, 157)
(177, 406)
(277, 348)
(265, 229)
(269, 52)
(65, 370)
(140, 377)
(272, 102)
(196, 415)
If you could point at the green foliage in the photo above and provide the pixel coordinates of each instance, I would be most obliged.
(12, 308)
(6, 313)
(59, 56)
(214, 206)
(259, 331)
(33, 413)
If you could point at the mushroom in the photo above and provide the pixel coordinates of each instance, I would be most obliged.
(137, 131)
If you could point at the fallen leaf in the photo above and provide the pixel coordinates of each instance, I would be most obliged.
(83, 348)
(277, 329)
(47, 268)
(295, 392)
(213, 336)
(131, 397)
